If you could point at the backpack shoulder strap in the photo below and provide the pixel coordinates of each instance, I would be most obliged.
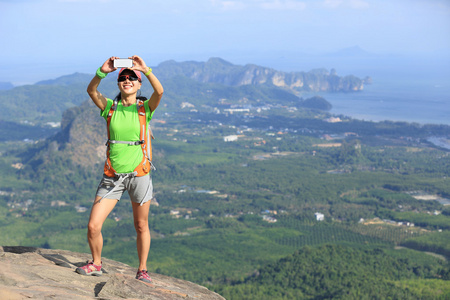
(142, 118)
(108, 169)
(110, 113)
(146, 134)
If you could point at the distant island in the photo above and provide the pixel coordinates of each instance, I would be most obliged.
(316, 102)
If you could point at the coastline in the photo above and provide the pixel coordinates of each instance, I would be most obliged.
(423, 102)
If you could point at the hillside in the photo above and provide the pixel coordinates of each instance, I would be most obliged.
(46, 101)
(341, 272)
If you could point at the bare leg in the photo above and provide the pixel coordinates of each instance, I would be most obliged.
(140, 215)
(99, 213)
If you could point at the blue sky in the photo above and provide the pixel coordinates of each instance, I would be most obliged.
(44, 39)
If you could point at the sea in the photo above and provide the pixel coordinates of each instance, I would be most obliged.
(406, 97)
(424, 102)
(407, 89)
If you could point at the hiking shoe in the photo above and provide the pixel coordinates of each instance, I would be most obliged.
(143, 276)
(90, 269)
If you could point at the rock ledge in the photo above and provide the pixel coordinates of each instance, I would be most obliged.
(36, 273)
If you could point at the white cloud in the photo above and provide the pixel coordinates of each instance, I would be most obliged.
(88, 1)
(354, 4)
(283, 5)
(229, 4)
(332, 3)
(358, 4)
(73, 1)
(261, 4)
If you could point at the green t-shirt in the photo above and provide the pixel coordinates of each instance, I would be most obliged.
(124, 126)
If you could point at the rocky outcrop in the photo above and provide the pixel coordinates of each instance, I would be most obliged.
(217, 70)
(83, 134)
(36, 273)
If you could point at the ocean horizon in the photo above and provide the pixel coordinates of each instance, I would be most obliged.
(399, 94)
(422, 102)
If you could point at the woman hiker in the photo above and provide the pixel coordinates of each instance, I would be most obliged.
(128, 162)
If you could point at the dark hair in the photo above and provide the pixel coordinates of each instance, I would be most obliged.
(139, 97)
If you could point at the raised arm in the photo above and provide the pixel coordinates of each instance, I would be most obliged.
(155, 98)
(95, 95)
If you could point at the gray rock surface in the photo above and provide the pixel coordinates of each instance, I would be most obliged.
(36, 273)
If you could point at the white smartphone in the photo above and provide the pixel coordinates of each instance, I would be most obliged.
(123, 63)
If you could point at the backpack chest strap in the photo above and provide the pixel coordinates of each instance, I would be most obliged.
(137, 143)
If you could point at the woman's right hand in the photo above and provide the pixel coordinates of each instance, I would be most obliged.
(108, 66)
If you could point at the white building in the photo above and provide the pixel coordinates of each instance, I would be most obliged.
(230, 138)
(233, 110)
(319, 216)
(333, 120)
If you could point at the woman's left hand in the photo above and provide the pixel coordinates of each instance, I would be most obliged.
(139, 64)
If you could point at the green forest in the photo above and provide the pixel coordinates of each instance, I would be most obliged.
(241, 217)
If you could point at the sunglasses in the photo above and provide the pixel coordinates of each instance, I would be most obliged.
(125, 77)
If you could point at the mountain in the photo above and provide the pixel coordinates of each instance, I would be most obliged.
(68, 80)
(6, 85)
(76, 151)
(13, 131)
(44, 273)
(316, 102)
(218, 70)
(46, 101)
(82, 135)
(40, 103)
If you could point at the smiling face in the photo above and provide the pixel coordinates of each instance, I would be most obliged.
(128, 86)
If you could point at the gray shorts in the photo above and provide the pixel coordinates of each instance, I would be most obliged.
(138, 188)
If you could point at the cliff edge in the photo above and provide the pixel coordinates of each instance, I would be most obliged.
(36, 273)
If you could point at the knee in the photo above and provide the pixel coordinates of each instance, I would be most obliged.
(141, 226)
(94, 229)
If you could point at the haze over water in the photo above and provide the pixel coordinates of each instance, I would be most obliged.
(403, 89)
(424, 103)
